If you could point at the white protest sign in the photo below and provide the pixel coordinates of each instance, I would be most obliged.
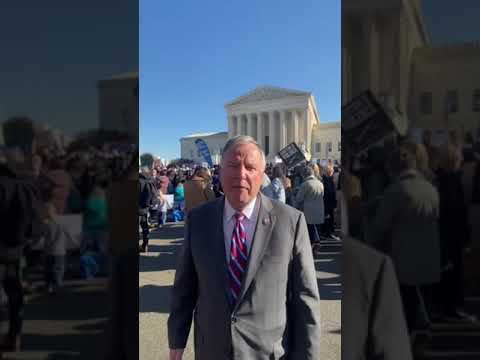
(73, 224)
(168, 203)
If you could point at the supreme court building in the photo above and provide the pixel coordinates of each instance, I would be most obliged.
(275, 117)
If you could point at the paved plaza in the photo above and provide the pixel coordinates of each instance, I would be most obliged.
(66, 326)
(157, 271)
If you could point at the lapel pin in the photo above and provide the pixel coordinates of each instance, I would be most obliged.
(266, 221)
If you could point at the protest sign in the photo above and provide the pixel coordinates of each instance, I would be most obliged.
(365, 122)
(204, 151)
(291, 155)
(168, 203)
(73, 224)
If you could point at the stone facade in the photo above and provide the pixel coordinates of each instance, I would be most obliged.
(378, 41)
(326, 142)
(446, 88)
(275, 117)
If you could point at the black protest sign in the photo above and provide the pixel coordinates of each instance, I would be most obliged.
(365, 122)
(291, 155)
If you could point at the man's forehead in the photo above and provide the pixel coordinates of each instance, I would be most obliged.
(241, 151)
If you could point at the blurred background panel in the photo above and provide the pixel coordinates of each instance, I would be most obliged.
(411, 164)
(68, 155)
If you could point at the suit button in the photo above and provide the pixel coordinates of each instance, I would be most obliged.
(234, 319)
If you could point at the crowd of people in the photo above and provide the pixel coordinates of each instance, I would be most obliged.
(410, 200)
(41, 187)
(310, 187)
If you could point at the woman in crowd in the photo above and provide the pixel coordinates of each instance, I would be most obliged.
(278, 189)
(57, 239)
(95, 216)
(198, 189)
(179, 195)
(454, 234)
(62, 183)
(330, 203)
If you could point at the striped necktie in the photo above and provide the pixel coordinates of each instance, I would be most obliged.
(238, 257)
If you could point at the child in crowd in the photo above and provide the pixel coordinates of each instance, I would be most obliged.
(56, 240)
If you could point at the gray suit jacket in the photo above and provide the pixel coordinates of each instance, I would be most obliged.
(277, 315)
(373, 324)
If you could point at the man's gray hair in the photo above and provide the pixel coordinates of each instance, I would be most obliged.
(308, 171)
(243, 139)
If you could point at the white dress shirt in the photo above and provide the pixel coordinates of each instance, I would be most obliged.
(250, 220)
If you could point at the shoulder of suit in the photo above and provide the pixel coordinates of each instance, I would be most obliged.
(283, 209)
(206, 208)
(362, 257)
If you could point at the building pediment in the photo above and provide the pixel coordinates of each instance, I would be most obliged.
(264, 93)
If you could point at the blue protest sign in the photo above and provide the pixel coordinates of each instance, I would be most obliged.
(203, 151)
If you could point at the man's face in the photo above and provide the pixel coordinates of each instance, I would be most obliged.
(241, 174)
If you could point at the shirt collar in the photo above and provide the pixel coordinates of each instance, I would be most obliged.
(229, 211)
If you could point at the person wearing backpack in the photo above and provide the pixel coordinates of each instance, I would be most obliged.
(147, 194)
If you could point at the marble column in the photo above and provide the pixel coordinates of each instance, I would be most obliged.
(296, 134)
(231, 126)
(260, 134)
(373, 40)
(239, 125)
(283, 129)
(251, 129)
(272, 133)
(306, 130)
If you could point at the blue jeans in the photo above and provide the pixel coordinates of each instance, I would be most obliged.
(162, 217)
(54, 270)
(94, 240)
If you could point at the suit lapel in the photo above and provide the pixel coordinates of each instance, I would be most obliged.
(261, 238)
(218, 244)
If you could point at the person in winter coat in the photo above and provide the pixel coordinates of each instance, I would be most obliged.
(454, 236)
(330, 201)
(198, 189)
(405, 227)
(278, 189)
(309, 199)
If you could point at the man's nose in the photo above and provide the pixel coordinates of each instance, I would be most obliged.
(240, 172)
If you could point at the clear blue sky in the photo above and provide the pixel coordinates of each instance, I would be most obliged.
(197, 55)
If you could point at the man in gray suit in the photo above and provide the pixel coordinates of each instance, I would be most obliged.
(245, 272)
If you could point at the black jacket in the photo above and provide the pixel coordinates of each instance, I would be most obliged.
(19, 218)
(330, 192)
(146, 192)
